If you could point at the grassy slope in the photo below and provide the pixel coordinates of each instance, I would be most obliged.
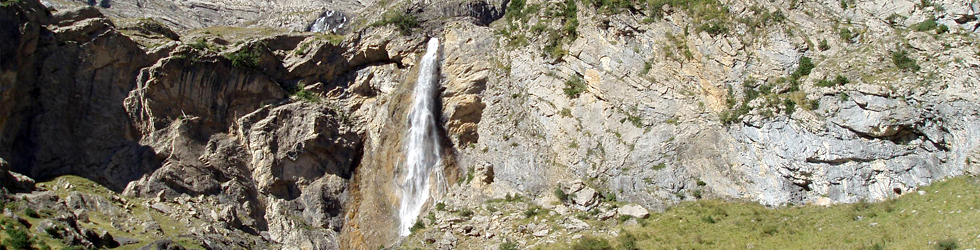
(948, 209)
(173, 229)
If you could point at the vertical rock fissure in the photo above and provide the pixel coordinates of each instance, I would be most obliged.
(423, 159)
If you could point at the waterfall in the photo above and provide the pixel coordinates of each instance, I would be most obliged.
(329, 21)
(423, 159)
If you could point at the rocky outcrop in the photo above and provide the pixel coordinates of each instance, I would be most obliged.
(218, 94)
(67, 89)
(645, 123)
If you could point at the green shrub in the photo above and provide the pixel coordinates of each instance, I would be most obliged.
(609, 197)
(591, 243)
(697, 193)
(418, 226)
(441, 206)
(247, 57)
(790, 106)
(838, 81)
(846, 34)
(31, 213)
(554, 49)
(823, 46)
(902, 61)
(514, 9)
(806, 66)
(431, 216)
(507, 245)
(947, 244)
(713, 28)
(532, 211)
(466, 212)
(635, 120)
(202, 44)
(927, 3)
(942, 28)
(405, 23)
(814, 105)
(574, 87)
(300, 92)
(562, 196)
(18, 239)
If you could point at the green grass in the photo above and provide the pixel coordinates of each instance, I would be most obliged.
(509, 245)
(590, 243)
(406, 23)
(926, 25)
(943, 218)
(172, 228)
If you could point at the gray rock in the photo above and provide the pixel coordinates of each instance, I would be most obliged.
(575, 225)
(586, 197)
(541, 233)
(633, 210)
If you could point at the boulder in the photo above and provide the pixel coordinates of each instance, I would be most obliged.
(585, 197)
(634, 210)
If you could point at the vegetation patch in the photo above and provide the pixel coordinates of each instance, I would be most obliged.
(591, 243)
(716, 224)
(406, 23)
(785, 100)
(202, 44)
(299, 91)
(246, 57)
(8, 3)
(904, 62)
(574, 87)
(927, 25)
(419, 225)
(837, 81)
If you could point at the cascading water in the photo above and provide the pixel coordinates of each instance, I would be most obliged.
(423, 160)
(329, 21)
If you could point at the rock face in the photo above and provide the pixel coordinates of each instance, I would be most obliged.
(646, 126)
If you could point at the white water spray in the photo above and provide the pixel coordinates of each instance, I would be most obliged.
(423, 159)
